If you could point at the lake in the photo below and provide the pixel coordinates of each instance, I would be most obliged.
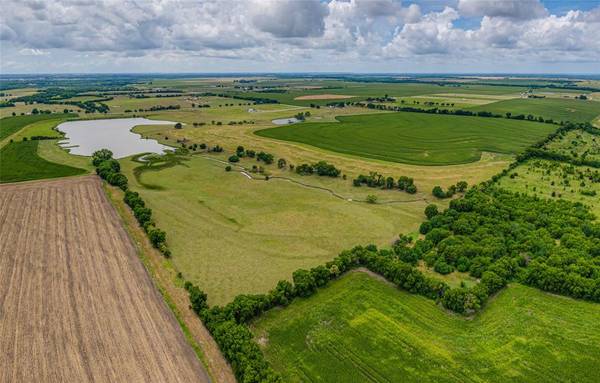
(85, 137)
(285, 121)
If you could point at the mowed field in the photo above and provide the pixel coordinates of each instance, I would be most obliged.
(77, 305)
(415, 138)
(360, 329)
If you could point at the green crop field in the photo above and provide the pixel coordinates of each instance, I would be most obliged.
(415, 138)
(360, 329)
(11, 125)
(232, 235)
(20, 162)
(559, 109)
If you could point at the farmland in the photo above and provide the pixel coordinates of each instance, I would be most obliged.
(20, 162)
(415, 138)
(231, 242)
(78, 305)
(235, 226)
(558, 109)
(362, 329)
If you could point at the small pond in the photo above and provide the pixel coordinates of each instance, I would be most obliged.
(85, 137)
(285, 121)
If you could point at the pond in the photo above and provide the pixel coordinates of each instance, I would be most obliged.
(285, 121)
(85, 137)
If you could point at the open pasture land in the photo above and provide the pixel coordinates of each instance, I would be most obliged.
(19, 161)
(415, 138)
(360, 329)
(544, 178)
(21, 107)
(77, 304)
(558, 109)
(577, 144)
(231, 235)
(231, 136)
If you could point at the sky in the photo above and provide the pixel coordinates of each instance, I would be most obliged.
(360, 36)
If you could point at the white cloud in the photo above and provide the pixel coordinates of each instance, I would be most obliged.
(517, 9)
(280, 33)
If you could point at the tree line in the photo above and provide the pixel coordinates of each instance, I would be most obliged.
(109, 169)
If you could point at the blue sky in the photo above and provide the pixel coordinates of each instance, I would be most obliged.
(484, 36)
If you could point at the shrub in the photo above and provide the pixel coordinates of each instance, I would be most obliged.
(234, 158)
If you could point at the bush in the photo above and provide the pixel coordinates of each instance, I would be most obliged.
(228, 168)
(234, 158)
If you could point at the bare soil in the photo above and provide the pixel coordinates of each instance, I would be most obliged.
(76, 304)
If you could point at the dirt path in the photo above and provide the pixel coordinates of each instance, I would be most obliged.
(76, 304)
(165, 277)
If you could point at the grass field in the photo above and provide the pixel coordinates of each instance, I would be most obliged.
(233, 235)
(20, 162)
(559, 109)
(543, 178)
(39, 128)
(360, 329)
(415, 138)
(78, 306)
(577, 144)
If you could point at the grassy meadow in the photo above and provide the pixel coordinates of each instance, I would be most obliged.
(362, 329)
(232, 235)
(552, 179)
(415, 138)
(577, 144)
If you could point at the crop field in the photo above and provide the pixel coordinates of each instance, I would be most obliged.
(232, 235)
(11, 125)
(21, 162)
(78, 306)
(415, 138)
(362, 329)
(577, 144)
(552, 179)
(558, 109)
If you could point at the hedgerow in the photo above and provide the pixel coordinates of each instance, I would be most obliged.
(110, 170)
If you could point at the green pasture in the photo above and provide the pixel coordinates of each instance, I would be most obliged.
(360, 329)
(231, 235)
(19, 161)
(558, 109)
(415, 138)
(577, 144)
(544, 178)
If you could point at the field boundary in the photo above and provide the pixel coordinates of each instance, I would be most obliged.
(164, 276)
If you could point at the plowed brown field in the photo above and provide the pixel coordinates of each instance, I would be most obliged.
(76, 304)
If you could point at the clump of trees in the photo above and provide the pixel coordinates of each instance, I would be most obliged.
(376, 180)
(321, 168)
(108, 168)
(460, 187)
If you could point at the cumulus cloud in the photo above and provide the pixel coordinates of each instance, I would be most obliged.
(288, 31)
(290, 18)
(517, 9)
